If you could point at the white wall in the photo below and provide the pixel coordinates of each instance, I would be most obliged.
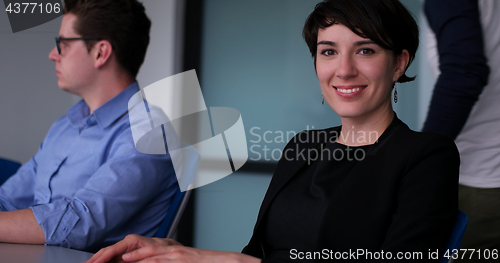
(164, 54)
(30, 100)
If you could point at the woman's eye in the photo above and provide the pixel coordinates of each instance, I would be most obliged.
(366, 51)
(328, 52)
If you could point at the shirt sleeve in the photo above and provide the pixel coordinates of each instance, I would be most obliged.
(18, 191)
(463, 65)
(118, 191)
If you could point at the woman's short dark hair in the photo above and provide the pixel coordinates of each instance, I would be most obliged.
(386, 22)
(121, 22)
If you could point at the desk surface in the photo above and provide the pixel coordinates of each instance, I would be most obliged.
(16, 253)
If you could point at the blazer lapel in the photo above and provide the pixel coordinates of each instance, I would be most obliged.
(292, 161)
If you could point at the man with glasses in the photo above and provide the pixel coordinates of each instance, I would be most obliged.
(87, 186)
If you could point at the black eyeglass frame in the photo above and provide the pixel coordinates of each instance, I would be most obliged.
(59, 39)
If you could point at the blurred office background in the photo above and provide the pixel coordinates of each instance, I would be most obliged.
(249, 55)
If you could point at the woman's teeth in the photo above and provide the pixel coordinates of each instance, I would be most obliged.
(349, 90)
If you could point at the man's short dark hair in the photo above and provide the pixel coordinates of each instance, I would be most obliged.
(386, 22)
(121, 22)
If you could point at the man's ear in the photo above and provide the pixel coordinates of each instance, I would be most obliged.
(102, 52)
(402, 61)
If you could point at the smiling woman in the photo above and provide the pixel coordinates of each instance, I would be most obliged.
(397, 202)
(356, 75)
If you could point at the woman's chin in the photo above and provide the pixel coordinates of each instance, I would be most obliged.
(349, 113)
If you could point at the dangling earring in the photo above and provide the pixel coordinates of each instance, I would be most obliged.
(322, 100)
(395, 93)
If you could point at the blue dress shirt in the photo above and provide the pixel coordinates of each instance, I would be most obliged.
(87, 185)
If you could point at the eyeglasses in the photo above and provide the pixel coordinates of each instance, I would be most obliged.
(59, 39)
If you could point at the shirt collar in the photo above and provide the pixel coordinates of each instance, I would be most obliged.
(107, 113)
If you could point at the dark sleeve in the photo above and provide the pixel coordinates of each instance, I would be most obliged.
(427, 201)
(463, 66)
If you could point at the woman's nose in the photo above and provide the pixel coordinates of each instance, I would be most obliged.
(346, 67)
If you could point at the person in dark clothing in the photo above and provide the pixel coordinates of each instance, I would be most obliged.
(464, 106)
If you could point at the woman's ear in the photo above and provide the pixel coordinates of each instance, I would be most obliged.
(402, 61)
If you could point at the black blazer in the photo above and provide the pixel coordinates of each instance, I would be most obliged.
(402, 197)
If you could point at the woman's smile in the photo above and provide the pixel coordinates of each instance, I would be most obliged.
(349, 91)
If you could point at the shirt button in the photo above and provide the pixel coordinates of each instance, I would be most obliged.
(91, 120)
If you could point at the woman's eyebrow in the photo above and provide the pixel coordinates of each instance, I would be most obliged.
(326, 42)
(363, 42)
(357, 43)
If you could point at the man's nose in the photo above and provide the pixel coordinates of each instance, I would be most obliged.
(53, 54)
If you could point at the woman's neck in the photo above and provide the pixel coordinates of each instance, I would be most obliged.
(364, 130)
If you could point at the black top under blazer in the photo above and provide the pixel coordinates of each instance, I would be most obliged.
(402, 197)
